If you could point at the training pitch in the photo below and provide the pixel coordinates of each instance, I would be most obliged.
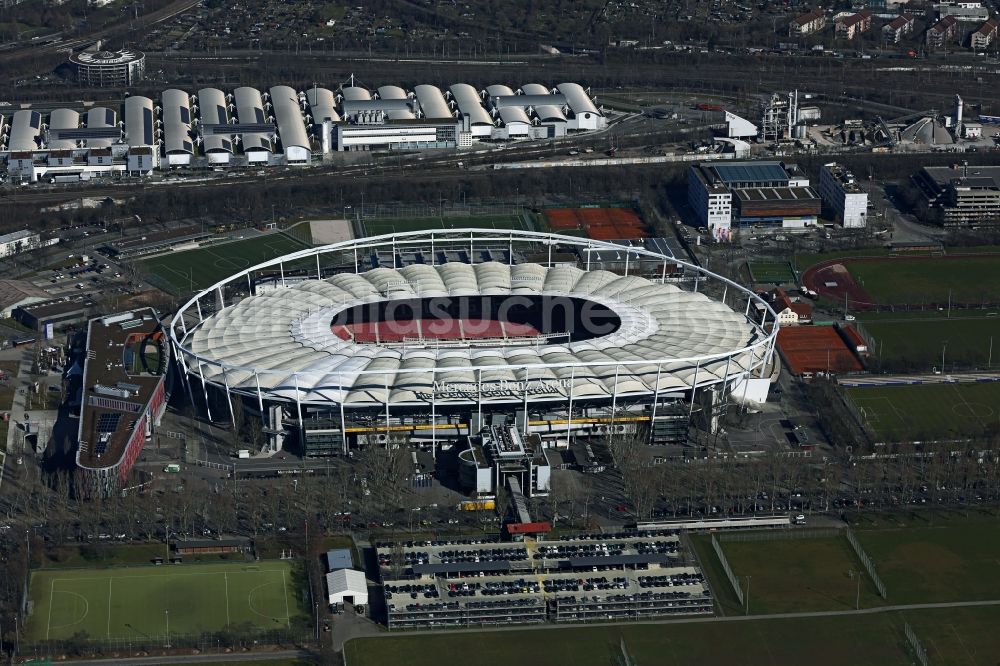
(137, 602)
(772, 272)
(192, 270)
(936, 557)
(928, 412)
(969, 280)
(799, 575)
(915, 341)
(390, 225)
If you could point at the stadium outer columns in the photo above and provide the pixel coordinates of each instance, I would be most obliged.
(761, 351)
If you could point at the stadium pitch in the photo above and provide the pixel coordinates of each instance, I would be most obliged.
(389, 225)
(191, 270)
(928, 412)
(134, 602)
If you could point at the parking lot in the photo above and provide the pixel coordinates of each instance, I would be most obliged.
(448, 582)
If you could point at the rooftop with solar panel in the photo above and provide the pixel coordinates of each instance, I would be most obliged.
(123, 377)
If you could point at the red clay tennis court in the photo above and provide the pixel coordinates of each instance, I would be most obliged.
(816, 349)
(598, 223)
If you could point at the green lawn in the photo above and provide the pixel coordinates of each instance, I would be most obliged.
(389, 225)
(771, 272)
(958, 636)
(836, 641)
(952, 637)
(134, 601)
(184, 272)
(929, 411)
(802, 575)
(915, 340)
(946, 560)
(971, 281)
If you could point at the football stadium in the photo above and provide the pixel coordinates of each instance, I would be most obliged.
(438, 335)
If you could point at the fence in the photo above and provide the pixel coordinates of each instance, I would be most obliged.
(725, 567)
(781, 535)
(227, 641)
(918, 649)
(866, 562)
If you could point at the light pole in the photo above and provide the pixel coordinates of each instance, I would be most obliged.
(167, 614)
(747, 606)
(944, 347)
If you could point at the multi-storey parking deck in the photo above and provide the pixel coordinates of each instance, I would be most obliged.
(588, 577)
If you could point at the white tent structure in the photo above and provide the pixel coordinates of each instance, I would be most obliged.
(347, 585)
(739, 128)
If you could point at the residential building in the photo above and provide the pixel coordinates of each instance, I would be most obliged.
(851, 26)
(842, 196)
(894, 31)
(790, 311)
(942, 32)
(984, 35)
(964, 195)
(807, 24)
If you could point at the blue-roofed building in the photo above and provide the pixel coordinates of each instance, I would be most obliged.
(339, 558)
(712, 187)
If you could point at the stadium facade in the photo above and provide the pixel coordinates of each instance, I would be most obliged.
(438, 335)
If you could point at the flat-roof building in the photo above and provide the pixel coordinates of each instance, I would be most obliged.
(842, 196)
(767, 193)
(963, 196)
(123, 397)
(19, 241)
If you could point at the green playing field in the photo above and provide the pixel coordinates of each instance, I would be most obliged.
(191, 270)
(929, 411)
(140, 601)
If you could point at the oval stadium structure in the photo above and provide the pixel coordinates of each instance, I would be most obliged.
(440, 334)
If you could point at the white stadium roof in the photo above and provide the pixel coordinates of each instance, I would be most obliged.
(280, 343)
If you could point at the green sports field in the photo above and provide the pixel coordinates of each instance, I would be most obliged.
(970, 280)
(136, 601)
(389, 225)
(937, 558)
(794, 576)
(191, 270)
(928, 412)
(914, 341)
(771, 272)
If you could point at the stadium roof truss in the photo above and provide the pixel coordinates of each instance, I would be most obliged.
(279, 345)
